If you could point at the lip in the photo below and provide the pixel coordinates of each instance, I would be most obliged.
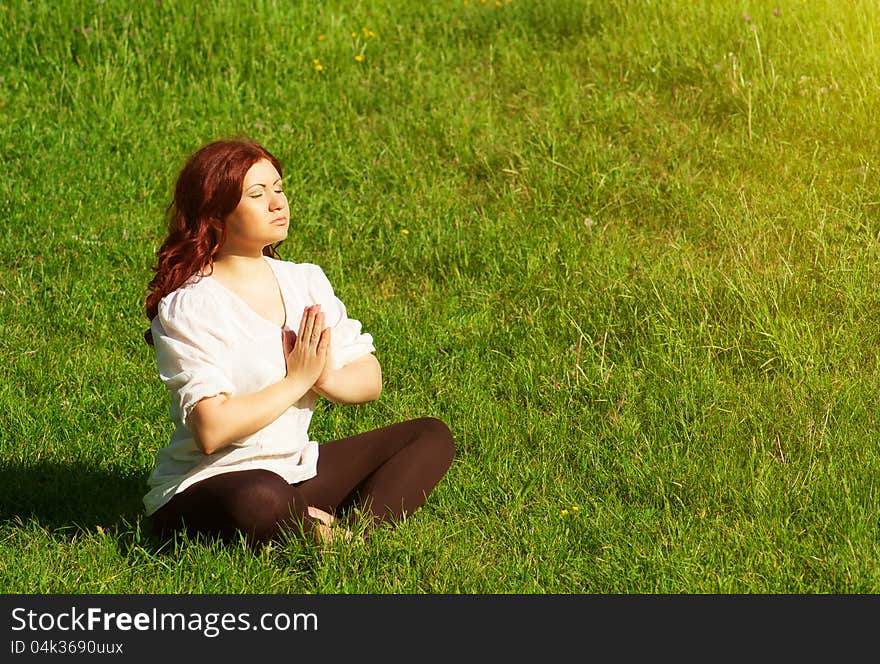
(280, 221)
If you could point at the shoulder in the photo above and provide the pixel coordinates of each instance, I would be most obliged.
(302, 275)
(192, 302)
(193, 294)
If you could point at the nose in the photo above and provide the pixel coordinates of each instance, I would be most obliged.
(277, 201)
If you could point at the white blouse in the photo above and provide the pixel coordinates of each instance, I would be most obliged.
(208, 341)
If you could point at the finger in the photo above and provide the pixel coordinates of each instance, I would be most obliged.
(324, 343)
(302, 323)
(318, 327)
(308, 322)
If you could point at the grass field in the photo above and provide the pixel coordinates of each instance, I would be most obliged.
(628, 250)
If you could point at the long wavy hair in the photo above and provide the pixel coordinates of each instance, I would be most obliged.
(208, 189)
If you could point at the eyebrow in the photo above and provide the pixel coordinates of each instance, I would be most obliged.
(260, 184)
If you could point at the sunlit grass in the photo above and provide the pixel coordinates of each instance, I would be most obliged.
(627, 250)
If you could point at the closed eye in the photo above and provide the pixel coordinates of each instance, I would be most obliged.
(256, 190)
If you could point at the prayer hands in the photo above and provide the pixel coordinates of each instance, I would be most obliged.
(311, 348)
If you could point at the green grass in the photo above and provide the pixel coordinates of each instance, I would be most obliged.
(639, 278)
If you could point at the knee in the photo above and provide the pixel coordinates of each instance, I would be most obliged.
(440, 436)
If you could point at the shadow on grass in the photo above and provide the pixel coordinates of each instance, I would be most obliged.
(68, 498)
(71, 498)
(70, 495)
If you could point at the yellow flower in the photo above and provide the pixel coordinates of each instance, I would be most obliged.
(564, 512)
(404, 231)
(498, 3)
(317, 65)
(354, 34)
(359, 57)
(322, 37)
(575, 508)
(368, 33)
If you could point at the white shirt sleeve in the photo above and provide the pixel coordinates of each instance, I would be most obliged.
(347, 341)
(185, 352)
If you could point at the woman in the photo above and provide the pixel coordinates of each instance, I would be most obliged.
(246, 343)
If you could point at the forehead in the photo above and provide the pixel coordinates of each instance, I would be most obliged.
(263, 172)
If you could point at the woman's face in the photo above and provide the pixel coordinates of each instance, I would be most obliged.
(262, 216)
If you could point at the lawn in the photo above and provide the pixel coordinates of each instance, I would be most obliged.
(627, 250)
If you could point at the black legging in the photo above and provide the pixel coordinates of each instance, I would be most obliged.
(386, 472)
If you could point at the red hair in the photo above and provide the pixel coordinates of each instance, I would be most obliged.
(208, 189)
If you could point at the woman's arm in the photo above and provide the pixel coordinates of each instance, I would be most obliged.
(220, 420)
(357, 382)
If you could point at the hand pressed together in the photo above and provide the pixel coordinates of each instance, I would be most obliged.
(307, 359)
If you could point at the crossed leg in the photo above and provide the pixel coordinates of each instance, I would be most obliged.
(386, 472)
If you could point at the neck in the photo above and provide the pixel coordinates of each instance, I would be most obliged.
(240, 262)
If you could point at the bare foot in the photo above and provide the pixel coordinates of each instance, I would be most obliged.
(323, 516)
(326, 529)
